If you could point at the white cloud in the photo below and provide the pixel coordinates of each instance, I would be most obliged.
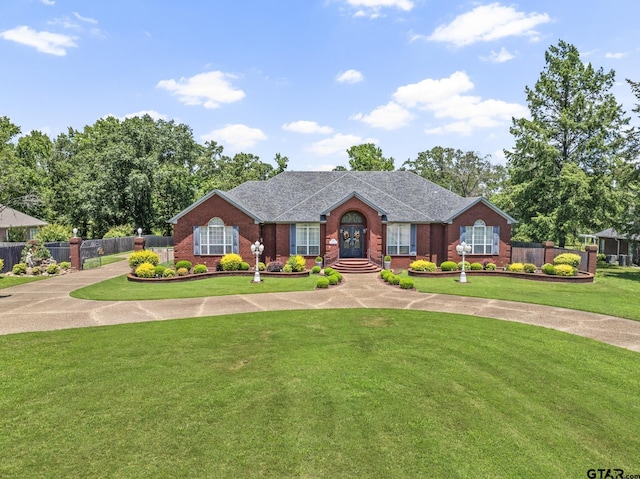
(338, 143)
(237, 137)
(45, 42)
(487, 23)
(390, 117)
(615, 56)
(84, 19)
(350, 76)
(207, 89)
(405, 5)
(152, 113)
(430, 92)
(304, 126)
(502, 56)
(48, 2)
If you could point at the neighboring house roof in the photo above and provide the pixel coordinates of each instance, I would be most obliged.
(10, 218)
(611, 233)
(305, 196)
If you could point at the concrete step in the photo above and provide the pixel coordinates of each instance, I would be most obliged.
(355, 265)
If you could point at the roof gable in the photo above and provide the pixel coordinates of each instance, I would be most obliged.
(10, 218)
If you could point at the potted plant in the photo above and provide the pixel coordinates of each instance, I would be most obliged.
(319, 261)
(387, 262)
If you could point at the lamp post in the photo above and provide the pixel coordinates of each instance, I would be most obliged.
(257, 248)
(463, 249)
(139, 232)
(75, 232)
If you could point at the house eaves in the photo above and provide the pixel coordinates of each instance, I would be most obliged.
(224, 196)
(354, 194)
(475, 201)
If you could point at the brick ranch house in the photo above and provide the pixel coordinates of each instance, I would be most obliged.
(342, 214)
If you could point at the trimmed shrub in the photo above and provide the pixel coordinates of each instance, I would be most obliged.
(530, 268)
(394, 279)
(564, 270)
(261, 266)
(467, 265)
(144, 256)
(183, 263)
(120, 231)
(200, 268)
(423, 265)
(406, 283)
(231, 262)
(318, 259)
(168, 273)
(274, 267)
(297, 263)
(53, 269)
(516, 267)
(160, 269)
(322, 283)
(333, 279)
(244, 266)
(571, 259)
(19, 268)
(54, 232)
(490, 266)
(287, 268)
(386, 274)
(387, 258)
(146, 270)
(338, 274)
(476, 267)
(315, 269)
(65, 265)
(182, 271)
(548, 269)
(448, 266)
(328, 270)
(1, 265)
(36, 271)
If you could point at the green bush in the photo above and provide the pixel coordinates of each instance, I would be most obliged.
(231, 262)
(19, 268)
(1, 265)
(394, 279)
(318, 259)
(40, 252)
(516, 267)
(406, 283)
(182, 271)
(183, 263)
(530, 268)
(120, 231)
(476, 267)
(448, 266)
(244, 266)
(287, 268)
(315, 269)
(571, 259)
(387, 258)
(564, 270)
(490, 266)
(261, 266)
(159, 270)
(467, 265)
(53, 269)
(169, 273)
(548, 268)
(386, 274)
(338, 274)
(328, 270)
(138, 257)
(423, 265)
(297, 263)
(200, 268)
(146, 270)
(36, 271)
(322, 282)
(333, 279)
(54, 232)
(65, 265)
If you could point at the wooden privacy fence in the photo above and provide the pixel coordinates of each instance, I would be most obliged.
(541, 253)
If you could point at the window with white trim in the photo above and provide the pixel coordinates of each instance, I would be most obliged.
(398, 238)
(216, 238)
(308, 239)
(481, 238)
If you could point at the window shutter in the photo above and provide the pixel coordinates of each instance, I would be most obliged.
(414, 235)
(196, 241)
(236, 239)
(292, 240)
(463, 234)
(496, 240)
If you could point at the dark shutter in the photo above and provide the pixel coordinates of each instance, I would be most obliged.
(414, 236)
(292, 240)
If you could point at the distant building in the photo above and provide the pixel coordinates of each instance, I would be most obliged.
(10, 218)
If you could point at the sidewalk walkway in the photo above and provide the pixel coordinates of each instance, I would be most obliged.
(46, 305)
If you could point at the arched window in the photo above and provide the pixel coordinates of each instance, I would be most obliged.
(218, 239)
(481, 238)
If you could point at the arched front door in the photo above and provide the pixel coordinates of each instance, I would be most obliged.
(352, 230)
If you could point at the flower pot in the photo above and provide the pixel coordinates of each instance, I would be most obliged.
(387, 264)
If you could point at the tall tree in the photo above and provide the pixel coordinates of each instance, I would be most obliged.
(574, 120)
(368, 157)
(464, 172)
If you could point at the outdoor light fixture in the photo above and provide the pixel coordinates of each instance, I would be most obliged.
(257, 248)
(463, 249)
(75, 232)
(139, 232)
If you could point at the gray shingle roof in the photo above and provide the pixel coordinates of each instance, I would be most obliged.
(303, 196)
(10, 218)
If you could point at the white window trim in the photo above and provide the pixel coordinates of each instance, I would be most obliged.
(307, 248)
(487, 247)
(390, 233)
(206, 235)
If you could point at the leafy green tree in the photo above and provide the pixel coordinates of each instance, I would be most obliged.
(368, 157)
(574, 120)
(463, 172)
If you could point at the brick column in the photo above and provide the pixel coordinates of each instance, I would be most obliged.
(592, 259)
(74, 246)
(548, 251)
(138, 243)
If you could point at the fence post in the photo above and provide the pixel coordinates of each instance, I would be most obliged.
(138, 243)
(74, 251)
(592, 259)
(548, 251)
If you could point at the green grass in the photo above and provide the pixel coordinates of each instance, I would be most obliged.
(120, 289)
(331, 393)
(9, 281)
(104, 260)
(615, 291)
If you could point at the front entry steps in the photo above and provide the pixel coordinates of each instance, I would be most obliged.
(355, 265)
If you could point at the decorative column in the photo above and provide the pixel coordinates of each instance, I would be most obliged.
(74, 246)
(592, 259)
(548, 251)
(139, 242)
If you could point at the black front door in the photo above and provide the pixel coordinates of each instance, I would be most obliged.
(351, 241)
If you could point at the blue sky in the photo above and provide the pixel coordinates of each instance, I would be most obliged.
(304, 78)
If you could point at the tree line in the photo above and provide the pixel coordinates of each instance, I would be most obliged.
(572, 169)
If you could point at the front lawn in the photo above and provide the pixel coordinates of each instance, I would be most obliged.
(9, 281)
(615, 291)
(321, 393)
(120, 289)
